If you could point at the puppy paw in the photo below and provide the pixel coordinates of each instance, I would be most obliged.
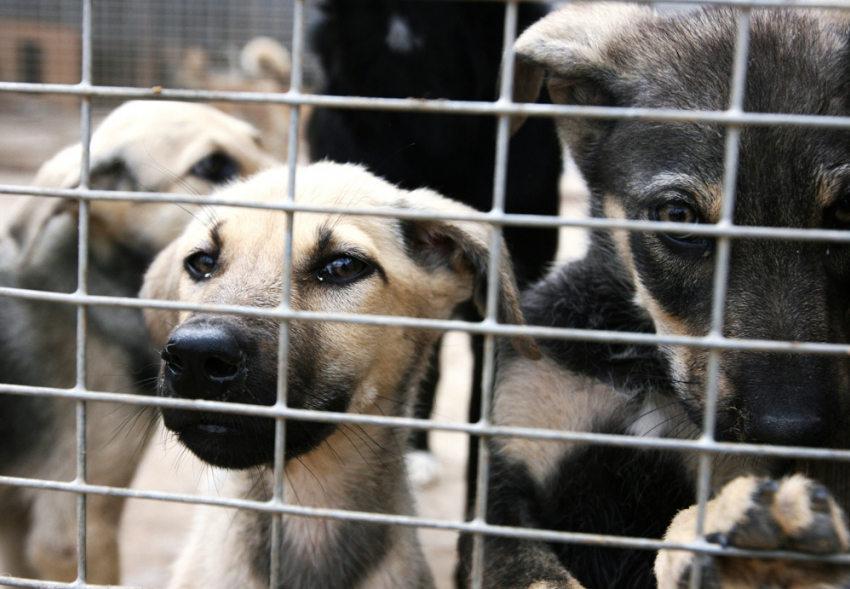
(761, 514)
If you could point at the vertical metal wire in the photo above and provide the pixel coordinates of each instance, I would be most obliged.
(279, 497)
(721, 274)
(720, 284)
(82, 288)
(499, 189)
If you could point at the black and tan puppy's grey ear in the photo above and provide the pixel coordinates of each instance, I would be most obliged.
(162, 282)
(465, 248)
(575, 51)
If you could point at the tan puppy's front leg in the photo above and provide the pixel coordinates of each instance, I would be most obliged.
(52, 543)
(13, 560)
(795, 513)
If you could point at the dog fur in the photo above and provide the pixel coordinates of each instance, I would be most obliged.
(264, 66)
(353, 264)
(452, 50)
(632, 56)
(141, 146)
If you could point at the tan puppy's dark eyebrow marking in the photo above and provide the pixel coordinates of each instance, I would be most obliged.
(215, 235)
(325, 237)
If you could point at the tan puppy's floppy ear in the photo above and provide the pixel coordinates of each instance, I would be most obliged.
(162, 281)
(465, 247)
(528, 79)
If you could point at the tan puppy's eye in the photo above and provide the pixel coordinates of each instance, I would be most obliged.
(343, 270)
(201, 265)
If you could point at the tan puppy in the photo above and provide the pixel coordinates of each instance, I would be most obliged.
(141, 146)
(351, 264)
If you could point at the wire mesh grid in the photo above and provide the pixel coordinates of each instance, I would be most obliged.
(707, 447)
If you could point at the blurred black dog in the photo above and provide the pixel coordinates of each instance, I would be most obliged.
(453, 50)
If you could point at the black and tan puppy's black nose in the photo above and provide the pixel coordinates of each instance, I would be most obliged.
(804, 429)
(202, 361)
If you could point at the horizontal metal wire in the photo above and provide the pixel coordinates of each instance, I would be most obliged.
(578, 437)
(838, 4)
(39, 584)
(421, 522)
(501, 107)
(483, 327)
(702, 229)
(728, 117)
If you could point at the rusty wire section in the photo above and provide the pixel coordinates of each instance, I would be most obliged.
(706, 446)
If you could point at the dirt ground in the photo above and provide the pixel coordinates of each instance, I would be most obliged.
(153, 532)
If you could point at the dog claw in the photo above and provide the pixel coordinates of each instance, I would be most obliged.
(794, 514)
(767, 491)
(709, 577)
(718, 538)
(819, 498)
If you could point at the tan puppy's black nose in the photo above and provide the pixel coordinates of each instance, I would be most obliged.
(202, 361)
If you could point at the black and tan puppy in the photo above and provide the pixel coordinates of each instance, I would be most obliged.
(630, 56)
(141, 146)
(350, 264)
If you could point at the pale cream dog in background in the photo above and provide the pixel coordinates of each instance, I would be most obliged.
(141, 146)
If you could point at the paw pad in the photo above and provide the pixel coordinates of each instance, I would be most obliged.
(795, 514)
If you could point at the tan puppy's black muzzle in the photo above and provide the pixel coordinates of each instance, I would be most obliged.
(203, 361)
(206, 360)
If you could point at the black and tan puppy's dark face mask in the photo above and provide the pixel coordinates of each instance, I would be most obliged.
(673, 171)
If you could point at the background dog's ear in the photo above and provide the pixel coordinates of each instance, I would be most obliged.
(30, 215)
(162, 281)
(108, 171)
(465, 247)
(575, 51)
(29, 218)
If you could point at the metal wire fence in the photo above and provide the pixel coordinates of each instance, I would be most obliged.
(707, 447)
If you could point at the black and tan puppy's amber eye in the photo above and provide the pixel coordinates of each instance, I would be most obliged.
(343, 270)
(676, 211)
(681, 242)
(841, 214)
(201, 265)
